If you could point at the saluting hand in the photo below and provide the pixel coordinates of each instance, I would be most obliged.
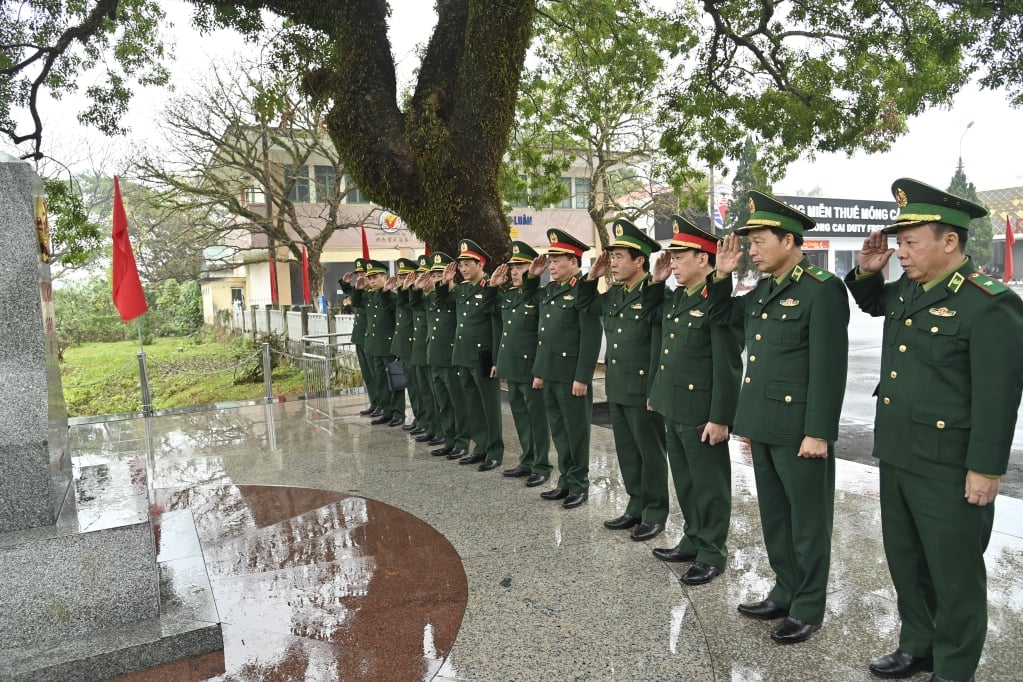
(538, 265)
(500, 275)
(875, 253)
(409, 280)
(422, 280)
(600, 266)
(390, 283)
(347, 277)
(662, 267)
(449, 273)
(729, 255)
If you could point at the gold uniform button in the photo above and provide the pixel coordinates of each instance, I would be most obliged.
(509, 321)
(665, 351)
(894, 374)
(747, 380)
(564, 355)
(675, 320)
(763, 316)
(671, 335)
(614, 362)
(619, 330)
(662, 367)
(887, 400)
(757, 337)
(902, 348)
(548, 314)
(788, 399)
(506, 333)
(691, 387)
(909, 323)
(525, 357)
(642, 372)
(940, 424)
(934, 330)
(614, 345)
(753, 358)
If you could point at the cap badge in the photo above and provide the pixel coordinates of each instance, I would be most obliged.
(674, 226)
(619, 231)
(463, 247)
(552, 236)
(752, 206)
(901, 199)
(436, 259)
(515, 249)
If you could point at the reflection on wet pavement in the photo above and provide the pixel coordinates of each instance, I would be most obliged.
(349, 553)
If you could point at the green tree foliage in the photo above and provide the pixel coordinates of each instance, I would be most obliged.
(85, 312)
(978, 245)
(74, 236)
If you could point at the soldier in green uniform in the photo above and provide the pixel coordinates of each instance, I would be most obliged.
(479, 402)
(568, 343)
(441, 320)
(427, 429)
(401, 342)
(379, 333)
(951, 377)
(359, 336)
(519, 314)
(628, 310)
(696, 388)
(796, 324)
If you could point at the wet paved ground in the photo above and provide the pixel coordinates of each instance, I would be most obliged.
(345, 551)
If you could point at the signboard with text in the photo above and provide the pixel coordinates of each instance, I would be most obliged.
(844, 217)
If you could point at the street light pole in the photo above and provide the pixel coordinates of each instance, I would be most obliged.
(968, 126)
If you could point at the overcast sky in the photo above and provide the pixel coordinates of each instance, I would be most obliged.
(992, 148)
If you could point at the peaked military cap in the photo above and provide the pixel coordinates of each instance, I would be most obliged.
(767, 211)
(688, 236)
(424, 264)
(467, 248)
(564, 243)
(920, 204)
(375, 267)
(360, 265)
(406, 265)
(439, 260)
(521, 252)
(628, 236)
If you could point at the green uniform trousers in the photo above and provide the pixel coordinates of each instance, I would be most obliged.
(366, 367)
(445, 388)
(639, 442)
(481, 407)
(530, 417)
(569, 417)
(703, 485)
(426, 416)
(935, 541)
(391, 402)
(412, 390)
(797, 507)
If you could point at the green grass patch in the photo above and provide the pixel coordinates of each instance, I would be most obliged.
(103, 378)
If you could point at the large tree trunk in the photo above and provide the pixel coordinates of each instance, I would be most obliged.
(436, 165)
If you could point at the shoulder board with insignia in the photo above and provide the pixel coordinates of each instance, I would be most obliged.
(483, 282)
(989, 286)
(819, 274)
(572, 282)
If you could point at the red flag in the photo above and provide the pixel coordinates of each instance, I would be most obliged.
(1010, 239)
(273, 278)
(305, 277)
(365, 244)
(427, 249)
(129, 298)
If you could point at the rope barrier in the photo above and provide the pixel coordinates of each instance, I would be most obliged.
(170, 369)
(103, 379)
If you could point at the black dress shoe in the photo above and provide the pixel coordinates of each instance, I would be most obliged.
(899, 664)
(555, 494)
(417, 431)
(440, 452)
(368, 411)
(424, 438)
(377, 413)
(792, 631)
(646, 531)
(409, 427)
(436, 440)
(517, 472)
(457, 453)
(380, 420)
(938, 678)
(474, 458)
(622, 522)
(700, 573)
(573, 501)
(763, 610)
(536, 479)
(488, 465)
(396, 421)
(673, 554)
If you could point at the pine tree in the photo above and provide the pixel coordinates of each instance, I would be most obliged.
(749, 175)
(978, 246)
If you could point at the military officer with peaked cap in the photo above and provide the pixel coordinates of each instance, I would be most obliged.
(796, 326)
(519, 315)
(628, 310)
(947, 402)
(379, 304)
(473, 354)
(696, 388)
(401, 342)
(568, 343)
(358, 338)
(428, 428)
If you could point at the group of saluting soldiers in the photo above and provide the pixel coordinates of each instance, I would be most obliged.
(947, 400)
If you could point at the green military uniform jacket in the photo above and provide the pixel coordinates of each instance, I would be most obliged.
(440, 316)
(797, 346)
(568, 340)
(401, 343)
(951, 372)
(420, 328)
(632, 327)
(518, 311)
(358, 312)
(474, 304)
(697, 380)
(379, 322)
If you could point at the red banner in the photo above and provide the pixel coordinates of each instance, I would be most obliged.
(129, 298)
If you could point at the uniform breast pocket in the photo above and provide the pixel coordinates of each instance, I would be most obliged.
(785, 326)
(693, 329)
(939, 343)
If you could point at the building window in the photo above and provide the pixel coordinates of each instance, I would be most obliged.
(354, 194)
(582, 192)
(567, 201)
(326, 183)
(254, 195)
(297, 177)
